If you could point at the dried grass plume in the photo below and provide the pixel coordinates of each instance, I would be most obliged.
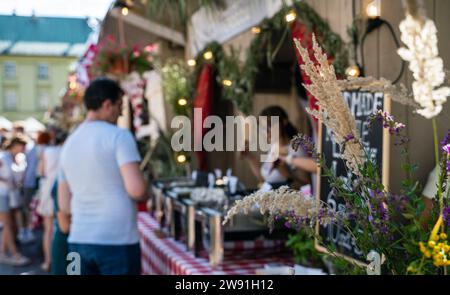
(333, 109)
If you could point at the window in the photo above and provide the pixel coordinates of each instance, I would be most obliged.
(43, 100)
(10, 70)
(42, 71)
(10, 100)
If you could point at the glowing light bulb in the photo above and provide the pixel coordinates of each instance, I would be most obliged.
(227, 83)
(291, 16)
(191, 62)
(181, 158)
(353, 71)
(182, 101)
(208, 55)
(256, 30)
(374, 9)
(124, 10)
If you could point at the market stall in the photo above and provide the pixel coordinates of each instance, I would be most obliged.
(162, 255)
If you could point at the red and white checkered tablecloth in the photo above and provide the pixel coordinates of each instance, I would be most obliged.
(165, 256)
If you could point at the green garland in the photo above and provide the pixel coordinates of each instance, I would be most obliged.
(241, 77)
(175, 85)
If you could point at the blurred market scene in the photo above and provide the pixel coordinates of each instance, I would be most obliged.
(224, 137)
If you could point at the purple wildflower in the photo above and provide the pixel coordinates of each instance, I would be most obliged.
(349, 137)
(446, 148)
(395, 128)
(446, 214)
(306, 143)
(287, 224)
(446, 140)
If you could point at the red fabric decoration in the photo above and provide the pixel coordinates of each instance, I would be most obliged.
(142, 206)
(203, 100)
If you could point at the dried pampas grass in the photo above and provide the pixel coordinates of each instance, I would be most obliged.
(333, 110)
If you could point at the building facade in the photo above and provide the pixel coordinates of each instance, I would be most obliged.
(36, 54)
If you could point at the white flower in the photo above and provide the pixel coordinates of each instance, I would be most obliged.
(420, 38)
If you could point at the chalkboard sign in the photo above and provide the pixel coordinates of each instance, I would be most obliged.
(376, 143)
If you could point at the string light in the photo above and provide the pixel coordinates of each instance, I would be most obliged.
(182, 101)
(291, 16)
(227, 83)
(353, 71)
(256, 30)
(374, 9)
(181, 158)
(191, 62)
(208, 55)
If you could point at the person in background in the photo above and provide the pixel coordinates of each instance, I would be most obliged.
(100, 184)
(30, 185)
(3, 136)
(60, 246)
(278, 173)
(430, 190)
(18, 129)
(48, 169)
(16, 201)
(8, 250)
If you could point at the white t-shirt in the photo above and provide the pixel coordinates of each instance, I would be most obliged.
(273, 175)
(51, 164)
(430, 189)
(102, 211)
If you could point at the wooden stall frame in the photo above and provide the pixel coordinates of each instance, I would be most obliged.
(362, 84)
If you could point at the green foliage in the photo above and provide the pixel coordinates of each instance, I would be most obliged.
(243, 75)
(330, 41)
(162, 163)
(304, 250)
(178, 10)
(175, 77)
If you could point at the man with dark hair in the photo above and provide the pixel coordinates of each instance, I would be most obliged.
(99, 185)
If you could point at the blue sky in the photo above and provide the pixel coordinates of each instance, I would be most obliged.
(75, 8)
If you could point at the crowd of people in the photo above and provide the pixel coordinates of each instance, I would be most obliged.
(87, 190)
(27, 167)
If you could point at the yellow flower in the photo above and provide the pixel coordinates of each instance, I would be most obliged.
(434, 233)
(443, 236)
(431, 244)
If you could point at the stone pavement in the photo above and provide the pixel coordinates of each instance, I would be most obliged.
(34, 252)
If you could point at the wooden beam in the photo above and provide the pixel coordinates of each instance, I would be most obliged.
(151, 27)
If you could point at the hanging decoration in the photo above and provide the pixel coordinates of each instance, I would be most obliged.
(203, 101)
(113, 58)
(133, 86)
(237, 79)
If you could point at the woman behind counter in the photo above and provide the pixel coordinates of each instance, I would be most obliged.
(281, 172)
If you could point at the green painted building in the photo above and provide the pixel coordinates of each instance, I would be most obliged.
(36, 54)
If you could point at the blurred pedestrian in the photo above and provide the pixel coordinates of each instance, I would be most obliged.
(99, 185)
(30, 184)
(48, 169)
(8, 249)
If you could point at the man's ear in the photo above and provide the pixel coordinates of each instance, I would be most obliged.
(107, 104)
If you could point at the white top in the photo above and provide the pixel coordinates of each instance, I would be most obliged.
(271, 175)
(102, 211)
(6, 172)
(51, 165)
(51, 160)
(430, 189)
